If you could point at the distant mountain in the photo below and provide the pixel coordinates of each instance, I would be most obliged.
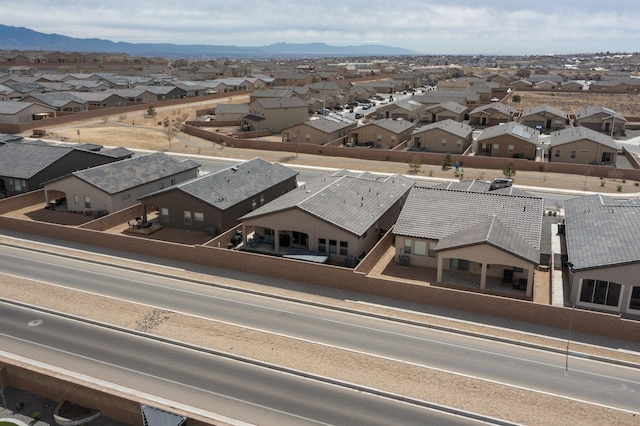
(20, 38)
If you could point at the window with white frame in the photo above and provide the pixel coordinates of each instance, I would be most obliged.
(574, 154)
(198, 216)
(307, 137)
(408, 246)
(124, 197)
(187, 217)
(496, 147)
(379, 138)
(164, 214)
(458, 143)
(87, 202)
(420, 248)
(443, 142)
(333, 246)
(557, 153)
(344, 248)
(322, 245)
(432, 249)
(510, 149)
(634, 302)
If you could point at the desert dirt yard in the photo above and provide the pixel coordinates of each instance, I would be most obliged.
(466, 393)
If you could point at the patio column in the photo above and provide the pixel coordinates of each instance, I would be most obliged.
(276, 240)
(439, 270)
(530, 282)
(244, 235)
(483, 276)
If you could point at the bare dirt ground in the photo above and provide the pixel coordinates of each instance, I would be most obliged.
(626, 104)
(517, 405)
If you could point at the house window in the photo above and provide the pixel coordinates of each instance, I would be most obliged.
(307, 137)
(300, 238)
(496, 147)
(379, 138)
(198, 217)
(161, 185)
(75, 199)
(254, 204)
(173, 181)
(443, 142)
(573, 154)
(87, 202)
(17, 184)
(187, 217)
(344, 248)
(322, 245)
(458, 144)
(557, 154)
(432, 249)
(124, 197)
(261, 199)
(600, 292)
(164, 214)
(510, 149)
(333, 246)
(420, 248)
(634, 303)
(408, 246)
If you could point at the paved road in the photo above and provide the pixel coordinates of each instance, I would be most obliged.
(212, 383)
(587, 380)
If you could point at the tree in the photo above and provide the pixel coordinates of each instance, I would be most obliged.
(151, 111)
(509, 170)
(446, 163)
(170, 132)
(415, 164)
(516, 98)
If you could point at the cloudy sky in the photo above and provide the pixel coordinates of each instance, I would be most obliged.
(424, 26)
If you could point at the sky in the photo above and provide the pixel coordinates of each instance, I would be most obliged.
(454, 27)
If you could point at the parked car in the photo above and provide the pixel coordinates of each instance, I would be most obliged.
(359, 115)
(501, 183)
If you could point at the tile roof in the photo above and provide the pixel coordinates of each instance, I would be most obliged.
(542, 109)
(329, 125)
(517, 130)
(600, 111)
(493, 232)
(496, 106)
(227, 187)
(392, 125)
(275, 103)
(350, 201)
(57, 99)
(25, 160)
(434, 213)
(473, 185)
(602, 231)
(450, 126)
(451, 106)
(573, 134)
(125, 174)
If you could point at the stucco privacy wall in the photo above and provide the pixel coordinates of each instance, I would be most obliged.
(340, 278)
(55, 385)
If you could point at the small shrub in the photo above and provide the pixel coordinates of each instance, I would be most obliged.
(624, 181)
(619, 188)
(637, 184)
(19, 406)
(36, 415)
(602, 183)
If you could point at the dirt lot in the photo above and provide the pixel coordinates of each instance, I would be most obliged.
(626, 104)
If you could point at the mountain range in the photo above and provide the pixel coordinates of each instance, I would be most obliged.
(21, 38)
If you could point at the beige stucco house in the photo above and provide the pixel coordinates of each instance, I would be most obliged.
(477, 234)
(447, 110)
(545, 118)
(115, 186)
(491, 114)
(600, 119)
(446, 136)
(604, 266)
(276, 114)
(337, 217)
(581, 145)
(509, 140)
(320, 130)
(24, 112)
(385, 133)
(406, 110)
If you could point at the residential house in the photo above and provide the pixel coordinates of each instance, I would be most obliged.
(406, 110)
(213, 203)
(136, 96)
(600, 119)
(384, 133)
(509, 140)
(61, 101)
(100, 99)
(24, 112)
(115, 186)
(573, 86)
(603, 254)
(546, 85)
(319, 130)
(433, 97)
(231, 112)
(445, 111)
(492, 238)
(544, 118)
(26, 166)
(337, 217)
(521, 84)
(165, 92)
(581, 145)
(446, 136)
(491, 114)
(276, 114)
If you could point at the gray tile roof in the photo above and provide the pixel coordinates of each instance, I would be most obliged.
(495, 106)
(573, 134)
(511, 128)
(125, 174)
(276, 103)
(493, 232)
(11, 107)
(392, 125)
(353, 202)
(600, 111)
(57, 99)
(456, 128)
(435, 214)
(602, 231)
(449, 106)
(329, 125)
(227, 187)
(543, 109)
(25, 160)
(473, 185)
